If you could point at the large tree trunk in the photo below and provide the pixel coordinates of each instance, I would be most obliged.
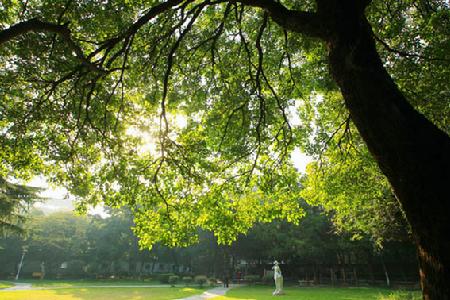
(412, 152)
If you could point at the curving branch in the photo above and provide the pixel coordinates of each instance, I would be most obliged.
(308, 23)
(152, 13)
(35, 25)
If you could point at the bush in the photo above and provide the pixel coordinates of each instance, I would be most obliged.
(164, 278)
(212, 282)
(251, 278)
(173, 279)
(401, 295)
(187, 280)
(146, 278)
(200, 280)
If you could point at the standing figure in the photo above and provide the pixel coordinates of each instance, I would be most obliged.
(278, 277)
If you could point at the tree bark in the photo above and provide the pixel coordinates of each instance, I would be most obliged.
(332, 276)
(355, 276)
(411, 151)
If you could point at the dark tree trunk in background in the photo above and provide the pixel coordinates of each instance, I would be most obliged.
(355, 276)
(332, 276)
(370, 267)
(412, 152)
(315, 274)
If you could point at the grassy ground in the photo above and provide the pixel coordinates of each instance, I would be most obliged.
(102, 294)
(82, 282)
(319, 293)
(4, 284)
(74, 290)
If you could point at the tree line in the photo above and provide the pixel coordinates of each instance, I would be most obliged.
(74, 246)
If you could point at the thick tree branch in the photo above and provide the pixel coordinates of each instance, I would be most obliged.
(308, 23)
(153, 12)
(298, 21)
(35, 25)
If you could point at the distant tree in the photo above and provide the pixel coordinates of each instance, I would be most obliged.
(111, 240)
(11, 249)
(316, 242)
(312, 241)
(57, 238)
(16, 200)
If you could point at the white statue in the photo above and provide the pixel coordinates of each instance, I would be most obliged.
(278, 277)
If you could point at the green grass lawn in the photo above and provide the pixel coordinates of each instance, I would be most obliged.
(74, 290)
(4, 284)
(82, 282)
(137, 293)
(319, 293)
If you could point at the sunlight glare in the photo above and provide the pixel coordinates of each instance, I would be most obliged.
(300, 160)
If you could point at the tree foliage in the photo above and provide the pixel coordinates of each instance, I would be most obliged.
(214, 171)
(15, 202)
(345, 180)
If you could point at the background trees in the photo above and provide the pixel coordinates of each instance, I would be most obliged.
(15, 202)
(91, 247)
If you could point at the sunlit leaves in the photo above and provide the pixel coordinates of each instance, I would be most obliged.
(416, 52)
(352, 190)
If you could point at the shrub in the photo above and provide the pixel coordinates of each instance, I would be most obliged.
(187, 280)
(173, 279)
(212, 282)
(401, 295)
(164, 278)
(146, 278)
(200, 280)
(251, 278)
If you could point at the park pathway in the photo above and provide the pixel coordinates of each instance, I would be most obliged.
(209, 294)
(18, 287)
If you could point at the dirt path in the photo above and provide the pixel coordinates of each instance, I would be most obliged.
(209, 294)
(18, 287)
